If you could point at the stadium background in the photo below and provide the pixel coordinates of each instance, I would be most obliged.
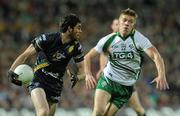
(22, 20)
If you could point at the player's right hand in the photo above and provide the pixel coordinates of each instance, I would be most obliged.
(74, 80)
(13, 77)
(90, 81)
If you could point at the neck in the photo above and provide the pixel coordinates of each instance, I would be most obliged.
(65, 38)
(126, 34)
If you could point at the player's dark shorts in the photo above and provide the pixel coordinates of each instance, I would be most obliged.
(52, 86)
(120, 94)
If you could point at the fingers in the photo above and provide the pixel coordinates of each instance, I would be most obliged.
(90, 82)
(74, 80)
(16, 82)
(167, 85)
(73, 83)
(164, 85)
(161, 83)
(152, 81)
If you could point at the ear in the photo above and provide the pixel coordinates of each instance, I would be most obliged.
(69, 29)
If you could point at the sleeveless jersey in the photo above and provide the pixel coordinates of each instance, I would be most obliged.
(125, 60)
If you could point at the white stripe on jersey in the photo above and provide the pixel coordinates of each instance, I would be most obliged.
(44, 37)
(124, 53)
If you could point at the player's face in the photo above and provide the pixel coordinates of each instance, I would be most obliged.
(76, 33)
(126, 24)
(115, 25)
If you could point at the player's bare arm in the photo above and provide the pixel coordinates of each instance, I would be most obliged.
(80, 73)
(102, 62)
(160, 80)
(90, 79)
(30, 51)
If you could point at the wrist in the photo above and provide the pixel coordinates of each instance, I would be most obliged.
(161, 76)
(80, 77)
(88, 73)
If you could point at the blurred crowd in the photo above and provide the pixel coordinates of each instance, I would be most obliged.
(22, 20)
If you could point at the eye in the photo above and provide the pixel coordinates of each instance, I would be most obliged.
(124, 20)
(79, 28)
(131, 21)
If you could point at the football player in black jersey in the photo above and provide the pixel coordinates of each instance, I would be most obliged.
(53, 51)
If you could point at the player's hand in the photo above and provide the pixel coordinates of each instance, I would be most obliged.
(90, 82)
(13, 77)
(74, 80)
(161, 83)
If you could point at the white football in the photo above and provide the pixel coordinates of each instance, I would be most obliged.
(25, 73)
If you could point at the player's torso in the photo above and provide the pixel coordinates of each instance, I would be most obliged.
(124, 60)
(125, 51)
(56, 54)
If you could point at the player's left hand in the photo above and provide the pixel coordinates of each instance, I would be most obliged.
(13, 77)
(161, 83)
(74, 80)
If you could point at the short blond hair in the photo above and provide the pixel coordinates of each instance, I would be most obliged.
(129, 12)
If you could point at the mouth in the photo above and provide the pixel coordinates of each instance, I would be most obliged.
(125, 28)
(78, 35)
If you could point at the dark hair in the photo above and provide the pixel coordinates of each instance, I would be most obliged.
(69, 20)
(129, 12)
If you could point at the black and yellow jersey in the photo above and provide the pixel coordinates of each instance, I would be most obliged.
(53, 55)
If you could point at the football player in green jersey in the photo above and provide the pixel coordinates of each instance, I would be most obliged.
(134, 99)
(124, 48)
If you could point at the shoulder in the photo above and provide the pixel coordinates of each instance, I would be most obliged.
(105, 38)
(141, 41)
(108, 36)
(52, 36)
(102, 42)
(55, 34)
(43, 41)
(47, 37)
(139, 35)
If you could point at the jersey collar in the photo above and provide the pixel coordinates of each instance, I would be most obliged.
(124, 38)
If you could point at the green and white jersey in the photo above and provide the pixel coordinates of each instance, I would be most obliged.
(125, 60)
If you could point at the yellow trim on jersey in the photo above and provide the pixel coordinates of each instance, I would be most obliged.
(70, 49)
(41, 66)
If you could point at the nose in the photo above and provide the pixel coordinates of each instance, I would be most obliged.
(127, 23)
(80, 30)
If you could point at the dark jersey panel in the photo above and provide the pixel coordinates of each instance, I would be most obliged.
(78, 55)
(42, 42)
(53, 55)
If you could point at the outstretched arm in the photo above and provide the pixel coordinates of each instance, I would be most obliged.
(90, 80)
(30, 51)
(102, 63)
(80, 73)
(160, 80)
(76, 76)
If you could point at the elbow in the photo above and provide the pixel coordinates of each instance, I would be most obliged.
(24, 57)
(158, 57)
(87, 57)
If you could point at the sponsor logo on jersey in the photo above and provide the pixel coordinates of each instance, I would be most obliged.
(58, 55)
(131, 46)
(123, 55)
(123, 47)
(70, 49)
(104, 84)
